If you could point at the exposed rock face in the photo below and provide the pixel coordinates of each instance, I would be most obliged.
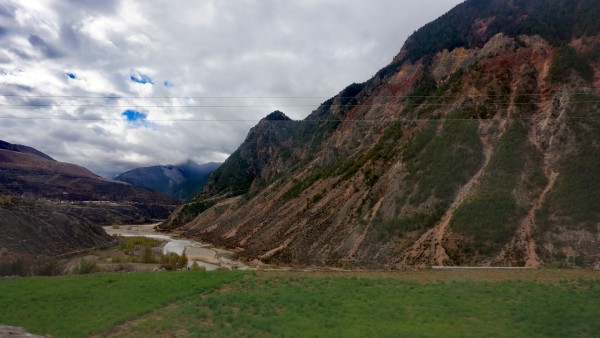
(477, 145)
(16, 332)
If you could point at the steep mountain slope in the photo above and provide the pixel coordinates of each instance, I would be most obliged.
(49, 207)
(42, 228)
(36, 175)
(477, 145)
(23, 149)
(182, 181)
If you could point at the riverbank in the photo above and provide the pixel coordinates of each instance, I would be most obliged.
(199, 254)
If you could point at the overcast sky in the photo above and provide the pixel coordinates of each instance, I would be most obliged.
(113, 85)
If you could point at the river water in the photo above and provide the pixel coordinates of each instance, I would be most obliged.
(204, 255)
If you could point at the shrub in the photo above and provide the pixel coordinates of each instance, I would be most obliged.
(148, 255)
(128, 244)
(86, 267)
(173, 261)
(566, 61)
(196, 267)
(5, 200)
(24, 265)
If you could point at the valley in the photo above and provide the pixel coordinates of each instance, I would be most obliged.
(469, 149)
(477, 145)
(453, 193)
(204, 255)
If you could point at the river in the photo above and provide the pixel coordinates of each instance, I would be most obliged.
(204, 255)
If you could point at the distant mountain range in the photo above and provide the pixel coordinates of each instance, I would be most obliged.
(49, 207)
(182, 181)
(478, 145)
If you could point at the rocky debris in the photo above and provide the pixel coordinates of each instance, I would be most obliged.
(15, 332)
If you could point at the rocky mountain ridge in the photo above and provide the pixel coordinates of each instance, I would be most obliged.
(182, 181)
(51, 208)
(477, 145)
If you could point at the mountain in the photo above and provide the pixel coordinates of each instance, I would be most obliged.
(478, 145)
(182, 181)
(50, 208)
(35, 228)
(30, 173)
(18, 148)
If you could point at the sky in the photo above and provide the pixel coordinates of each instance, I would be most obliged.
(113, 85)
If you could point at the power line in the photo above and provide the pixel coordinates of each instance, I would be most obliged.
(279, 121)
(441, 104)
(267, 97)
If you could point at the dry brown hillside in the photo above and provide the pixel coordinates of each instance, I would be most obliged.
(478, 145)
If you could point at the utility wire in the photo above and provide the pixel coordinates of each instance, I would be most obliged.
(441, 104)
(279, 121)
(266, 97)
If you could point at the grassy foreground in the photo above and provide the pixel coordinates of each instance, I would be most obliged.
(423, 304)
(79, 305)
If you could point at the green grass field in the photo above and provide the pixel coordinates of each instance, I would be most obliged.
(547, 303)
(78, 305)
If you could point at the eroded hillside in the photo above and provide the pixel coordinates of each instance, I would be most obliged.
(50, 208)
(476, 152)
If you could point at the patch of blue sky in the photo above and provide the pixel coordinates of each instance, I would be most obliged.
(142, 79)
(138, 119)
(134, 115)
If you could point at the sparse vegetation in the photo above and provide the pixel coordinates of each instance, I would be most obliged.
(447, 161)
(173, 261)
(129, 243)
(346, 168)
(195, 208)
(573, 202)
(85, 267)
(234, 175)
(419, 221)
(24, 265)
(567, 60)
(140, 249)
(492, 216)
(6, 199)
